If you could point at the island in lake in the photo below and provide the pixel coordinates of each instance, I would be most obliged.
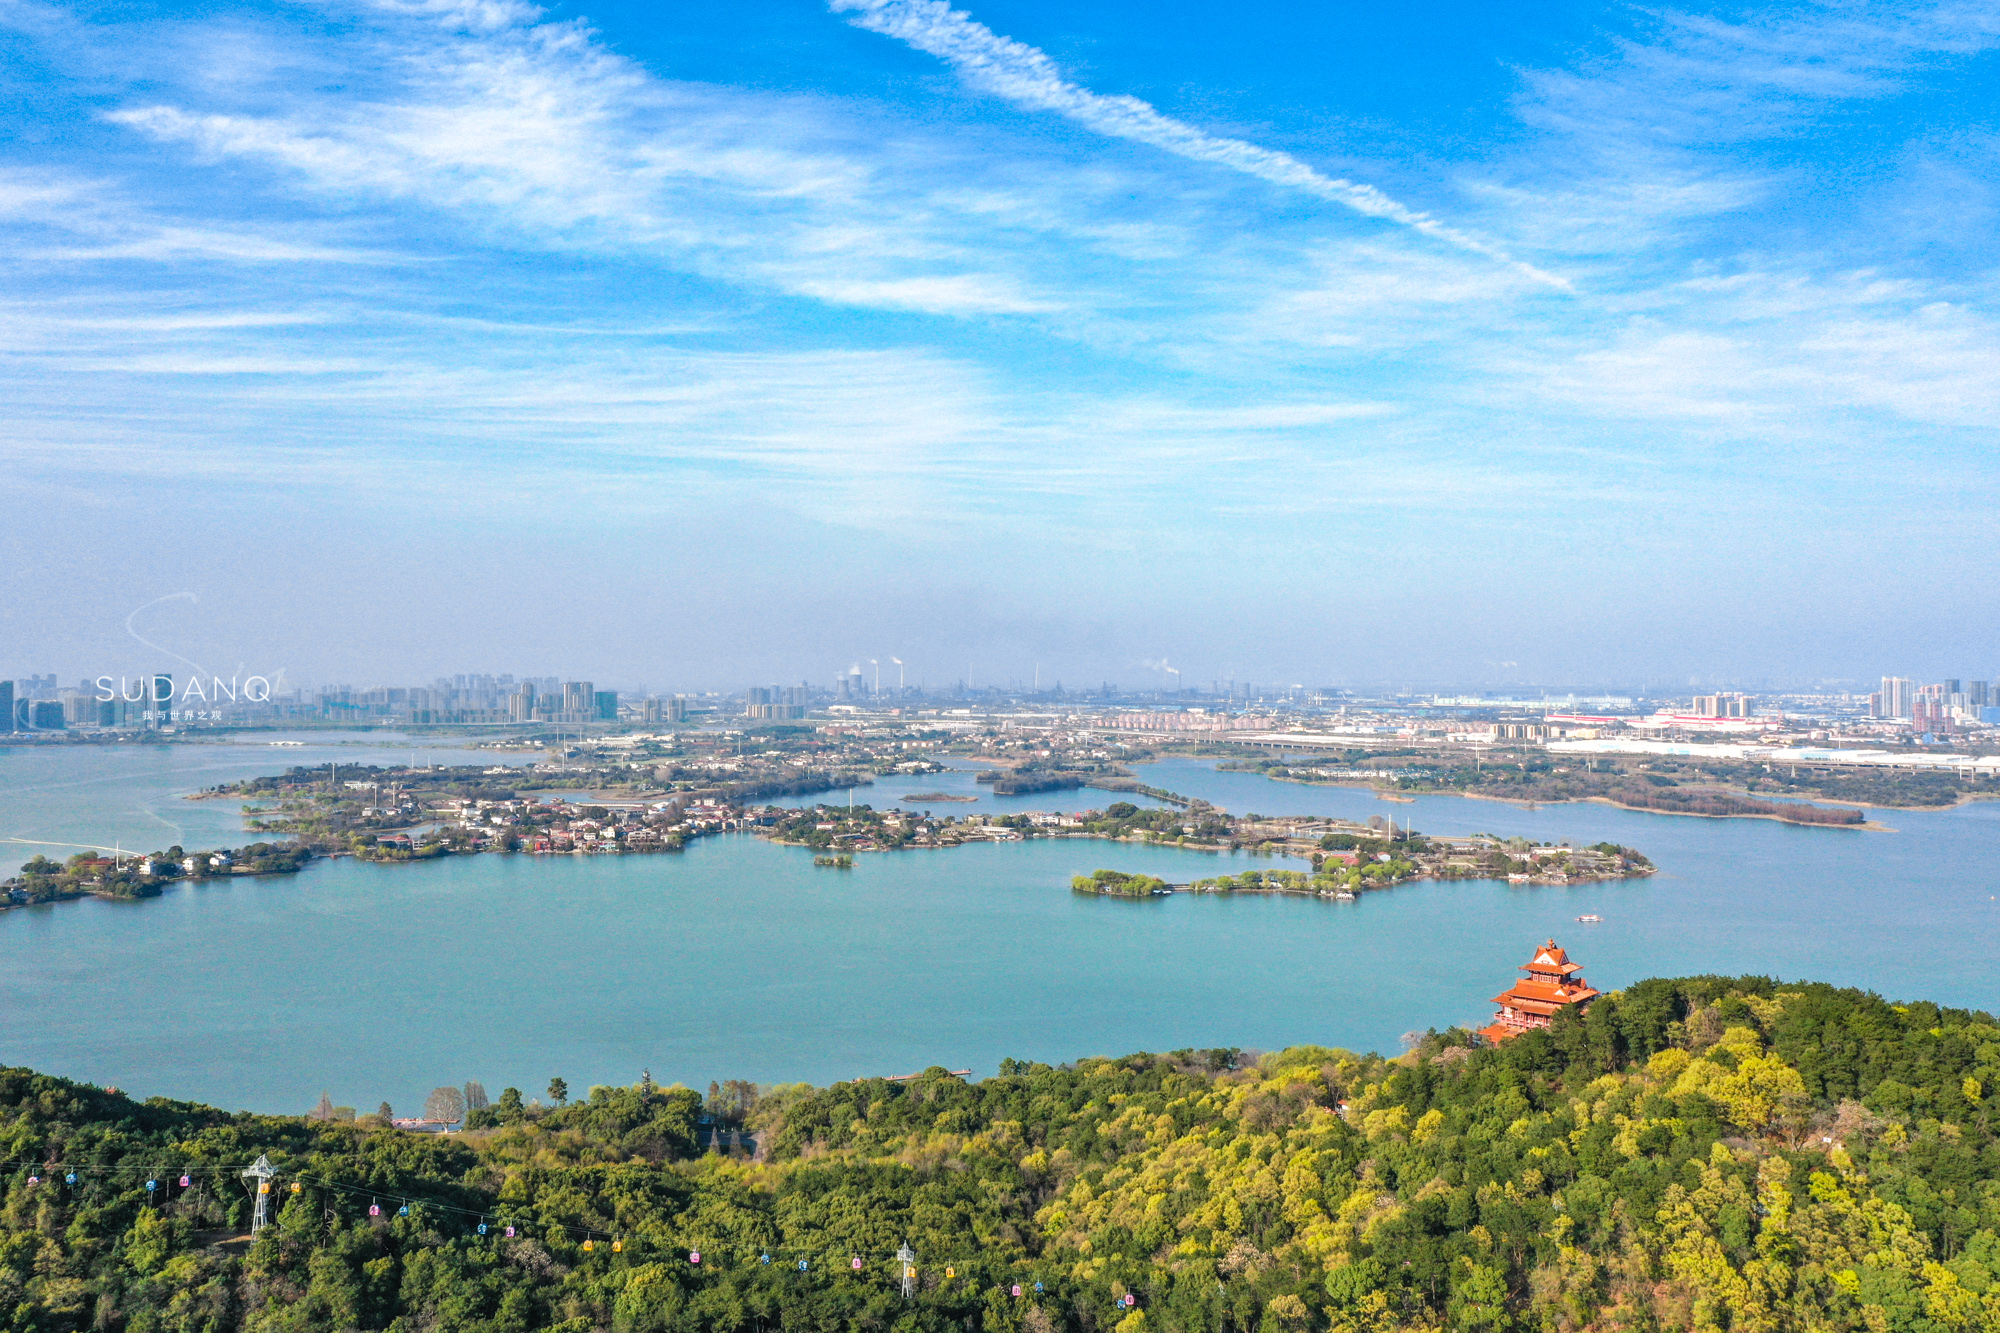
(1707, 790)
(1351, 863)
(422, 814)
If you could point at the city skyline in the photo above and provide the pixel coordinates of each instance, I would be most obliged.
(42, 703)
(1152, 677)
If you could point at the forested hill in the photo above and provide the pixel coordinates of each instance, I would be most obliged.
(1704, 1153)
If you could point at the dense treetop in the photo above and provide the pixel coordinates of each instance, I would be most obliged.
(1705, 1153)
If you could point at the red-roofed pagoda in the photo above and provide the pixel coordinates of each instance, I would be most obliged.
(1553, 984)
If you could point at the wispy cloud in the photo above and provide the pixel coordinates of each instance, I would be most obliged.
(58, 217)
(1027, 77)
(862, 440)
(1779, 354)
(533, 132)
(1695, 122)
(892, 316)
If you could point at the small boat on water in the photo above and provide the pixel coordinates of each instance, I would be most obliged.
(1592, 917)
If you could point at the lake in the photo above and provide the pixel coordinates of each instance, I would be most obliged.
(56, 800)
(740, 959)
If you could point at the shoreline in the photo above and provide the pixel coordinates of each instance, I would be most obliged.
(1210, 848)
(1867, 826)
(1281, 849)
(1355, 895)
(179, 881)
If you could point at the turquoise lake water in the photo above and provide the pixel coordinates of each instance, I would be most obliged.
(739, 959)
(58, 800)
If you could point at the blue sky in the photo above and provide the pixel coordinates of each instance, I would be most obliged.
(689, 345)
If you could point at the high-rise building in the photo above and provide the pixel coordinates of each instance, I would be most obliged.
(604, 705)
(776, 701)
(1722, 705)
(1897, 698)
(1978, 694)
(7, 705)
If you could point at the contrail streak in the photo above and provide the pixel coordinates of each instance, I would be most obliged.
(1027, 77)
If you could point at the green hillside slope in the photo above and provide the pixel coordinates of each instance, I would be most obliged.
(1703, 1153)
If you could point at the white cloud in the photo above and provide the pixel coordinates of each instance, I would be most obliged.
(534, 133)
(59, 217)
(962, 295)
(1174, 348)
(1670, 128)
(1790, 353)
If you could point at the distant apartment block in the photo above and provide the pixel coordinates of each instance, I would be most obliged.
(775, 702)
(1896, 698)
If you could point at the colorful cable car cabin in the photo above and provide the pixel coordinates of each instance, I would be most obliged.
(1553, 984)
